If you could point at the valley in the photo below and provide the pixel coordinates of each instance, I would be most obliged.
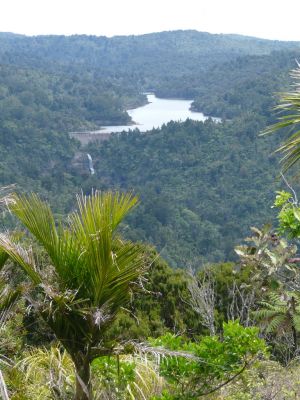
(149, 236)
(154, 114)
(51, 86)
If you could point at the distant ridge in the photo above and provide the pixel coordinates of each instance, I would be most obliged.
(177, 31)
(180, 50)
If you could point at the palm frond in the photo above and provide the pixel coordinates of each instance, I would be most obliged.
(290, 106)
(37, 216)
(108, 264)
(3, 258)
(8, 298)
(21, 256)
(100, 212)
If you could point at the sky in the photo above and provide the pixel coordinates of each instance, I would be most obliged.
(270, 19)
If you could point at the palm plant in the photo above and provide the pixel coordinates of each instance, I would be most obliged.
(290, 105)
(93, 272)
(281, 315)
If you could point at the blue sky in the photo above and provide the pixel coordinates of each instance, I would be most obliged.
(271, 19)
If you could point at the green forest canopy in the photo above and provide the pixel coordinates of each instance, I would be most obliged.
(197, 181)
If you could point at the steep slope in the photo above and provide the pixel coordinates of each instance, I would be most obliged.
(201, 185)
(246, 84)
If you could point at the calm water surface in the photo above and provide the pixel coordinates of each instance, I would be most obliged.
(157, 113)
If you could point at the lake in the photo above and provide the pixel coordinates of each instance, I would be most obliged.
(156, 113)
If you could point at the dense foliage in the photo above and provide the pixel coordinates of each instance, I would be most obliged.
(246, 84)
(197, 181)
(82, 318)
(218, 359)
(50, 86)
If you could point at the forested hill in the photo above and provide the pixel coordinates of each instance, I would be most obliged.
(121, 53)
(201, 185)
(153, 60)
(243, 84)
(184, 64)
(81, 306)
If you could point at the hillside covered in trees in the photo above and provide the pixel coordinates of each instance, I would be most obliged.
(197, 182)
(50, 86)
(143, 287)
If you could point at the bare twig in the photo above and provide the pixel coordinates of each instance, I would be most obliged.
(202, 299)
(295, 198)
(242, 302)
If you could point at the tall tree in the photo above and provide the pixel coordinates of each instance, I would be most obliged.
(92, 272)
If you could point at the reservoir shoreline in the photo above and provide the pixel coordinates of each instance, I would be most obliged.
(156, 112)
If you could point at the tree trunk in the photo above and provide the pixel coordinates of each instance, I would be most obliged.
(83, 380)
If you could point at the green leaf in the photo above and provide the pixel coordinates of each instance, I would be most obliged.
(296, 212)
